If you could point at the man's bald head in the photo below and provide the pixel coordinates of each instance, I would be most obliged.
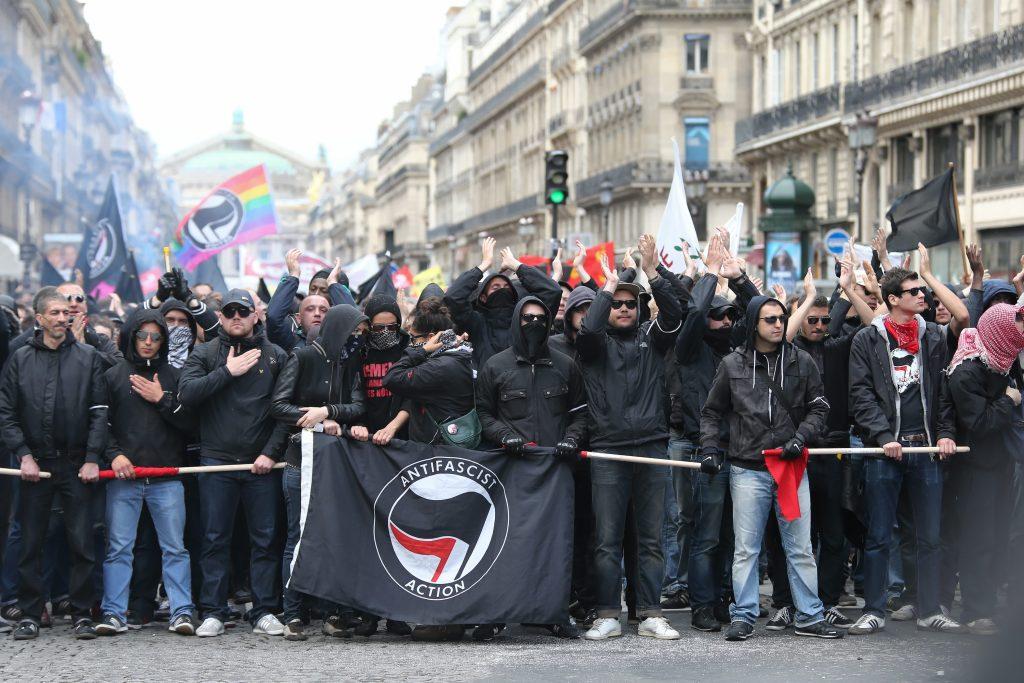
(312, 311)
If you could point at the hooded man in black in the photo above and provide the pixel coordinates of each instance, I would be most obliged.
(320, 384)
(148, 428)
(385, 344)
(229, 382)
(485, 310)
(576, 308)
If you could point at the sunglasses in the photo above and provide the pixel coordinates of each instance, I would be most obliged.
(233, 311)
(628, 303)
(914, 291)
(154, 337)
(773, 319)
(77, 298)
(814, 320)
(722, 314)
(420, 336)
(385, 327)
(533, 318)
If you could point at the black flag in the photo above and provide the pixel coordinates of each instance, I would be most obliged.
(209, 272)
(129, 287)
(263, 292)
(927, 215)
(380, 284)
(48, 275)
(103, 255)
(435, 534)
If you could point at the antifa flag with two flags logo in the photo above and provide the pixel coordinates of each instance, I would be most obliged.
(435, 534)
(103, 256)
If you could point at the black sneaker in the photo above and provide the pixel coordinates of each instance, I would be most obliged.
(781, 620)
(677, 602)
(84, 630)
(397, 628)
(183, 625)
(837, 618)
(822, 629)
(12, 613)
(293, 630)
(721, 612)
(739, 630)
(366, 627)
(335, 627)
(135, 622)
(63, 609)
(587, 618)
(27, 630)
(110, 625)
(847, 600)
(487, 632)
(567, 629)
(703, 619)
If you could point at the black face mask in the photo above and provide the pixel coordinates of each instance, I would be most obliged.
(534, 334)
(719, 340)
(503, 298)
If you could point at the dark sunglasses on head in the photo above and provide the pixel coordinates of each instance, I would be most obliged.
(385, 327)
(813, 319)
(414, 337)
(77, 298)
(772, 319)
(914, 291)
(628, 303)
(533, 318)
(232, 311)
(722, 314)
(154, 337)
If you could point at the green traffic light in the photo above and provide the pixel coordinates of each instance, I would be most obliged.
(556, 197)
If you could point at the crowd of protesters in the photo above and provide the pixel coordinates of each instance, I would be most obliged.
(705, 366)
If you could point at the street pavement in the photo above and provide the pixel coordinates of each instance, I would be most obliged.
(899, 653)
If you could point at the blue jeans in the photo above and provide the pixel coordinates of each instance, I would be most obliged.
(678, 527)
(165, 501)
(614, 485)
(219, 494)
(753, 495)
(883, 480)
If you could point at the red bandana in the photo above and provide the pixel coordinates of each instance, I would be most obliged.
(904, 333)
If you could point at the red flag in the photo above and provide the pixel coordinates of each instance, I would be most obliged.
(593, 263)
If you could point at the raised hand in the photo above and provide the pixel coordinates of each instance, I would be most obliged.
(611, 276)
(509, 260)
(779, 292)
(648, 247)
(556, 266)
(291, 260)
(878, 244)
(577, 262)
(689, 267)
(487, 253)
(335, 275)
(714, 255)
(810, 291)
(758, 283)
(924, 266)
(627, 258)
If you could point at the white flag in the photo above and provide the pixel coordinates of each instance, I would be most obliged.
(676, 223)
(735, 227)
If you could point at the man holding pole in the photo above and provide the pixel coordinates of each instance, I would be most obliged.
(772, 395)
(230, 383)
(896, 381)
(624, 376)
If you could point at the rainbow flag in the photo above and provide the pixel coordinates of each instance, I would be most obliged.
(238, 210)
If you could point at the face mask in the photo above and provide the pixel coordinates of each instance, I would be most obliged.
(383, 340)
(354, 344)
(503, 298)
(178, 344)
(534, 334)
(718, 340)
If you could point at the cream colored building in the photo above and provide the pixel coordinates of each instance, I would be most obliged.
(343, 223)
(870, 99)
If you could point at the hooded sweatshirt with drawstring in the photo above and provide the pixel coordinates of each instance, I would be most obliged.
(742, 394)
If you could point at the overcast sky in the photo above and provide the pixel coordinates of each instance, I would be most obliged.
(304, 72)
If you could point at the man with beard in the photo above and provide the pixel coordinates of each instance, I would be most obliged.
(530, 394)
(229, 382)
(623, 371)
(488, 319)
(53, 417)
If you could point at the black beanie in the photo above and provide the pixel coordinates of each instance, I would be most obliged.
(322, 273)
(382, 304)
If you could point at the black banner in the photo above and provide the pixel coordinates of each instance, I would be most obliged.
(435, 534)
(926, 215)
(103, 255)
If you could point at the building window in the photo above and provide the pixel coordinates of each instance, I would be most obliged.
(389, 240)
(796, 70)
(698, 142)
(1000, 139)
(854, 46)
(835, 53)
(833, 179)
(763, 76)
(903, 163)
(776, 76)
(908, 31)
(945, 144)
(815, 60)
(697, 52)
(814, 172)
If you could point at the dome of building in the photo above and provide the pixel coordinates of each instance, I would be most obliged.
(789, 194)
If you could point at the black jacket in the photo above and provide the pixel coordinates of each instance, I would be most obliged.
(874, 401)
(540, 400)
(148, 434)
(758, 419)
(322, 374)
(235, 420)
(624, 371)
(32, 380)
(696, 359)
(441, 383)
(489, 328)
(984, 413)
(108, 351)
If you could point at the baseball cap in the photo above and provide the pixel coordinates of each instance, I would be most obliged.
(238, 297)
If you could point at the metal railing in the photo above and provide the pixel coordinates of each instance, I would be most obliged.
(1005, 175)
(800, 111)
(696, 82)
(505, 48)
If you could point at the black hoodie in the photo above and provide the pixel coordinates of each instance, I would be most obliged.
(757, 417)
(539, 399)
(322, 374)
(148, 434)
(381, 405)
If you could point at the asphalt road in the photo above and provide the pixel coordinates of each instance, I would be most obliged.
(900, 653)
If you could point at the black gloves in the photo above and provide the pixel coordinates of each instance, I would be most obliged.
(165, 287)
(711, 460)
(513, 445)
(181, 292)
(567, 449)
(793, 449)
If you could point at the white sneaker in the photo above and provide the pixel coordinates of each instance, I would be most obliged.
(605, 628)
(905, 613)
(866, 625)
(211, 626)
(940, 623)
(268, 625)
(657, 627)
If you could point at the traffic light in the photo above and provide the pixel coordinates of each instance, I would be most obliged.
(556, 177)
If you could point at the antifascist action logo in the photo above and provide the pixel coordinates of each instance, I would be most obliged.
(216, 222)
(440, 525)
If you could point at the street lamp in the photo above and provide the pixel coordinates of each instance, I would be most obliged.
(862, 139)
(28, 113)
(606, 201)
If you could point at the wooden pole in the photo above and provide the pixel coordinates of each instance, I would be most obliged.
(10, 472)
(868, 451)
(208, 469)
(592, 455)
(959, 230)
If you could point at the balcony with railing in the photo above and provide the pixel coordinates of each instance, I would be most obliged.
(696, 82)
(993, 177)
(799, 112)
(621, 10)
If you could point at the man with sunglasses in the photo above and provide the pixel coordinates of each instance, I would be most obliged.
(229, 382)
(896, 367)
(624, 374)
